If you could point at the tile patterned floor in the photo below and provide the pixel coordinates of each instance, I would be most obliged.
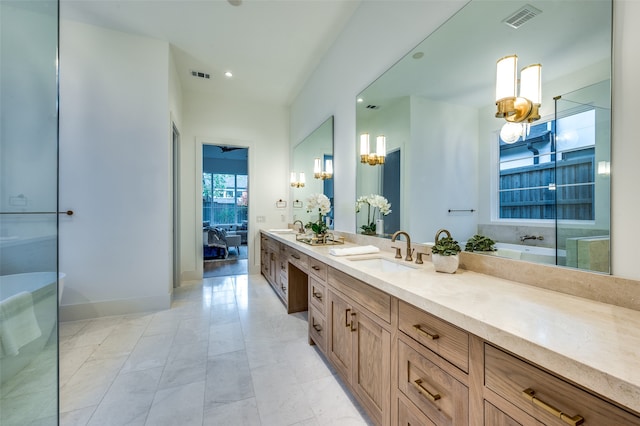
(226, 353)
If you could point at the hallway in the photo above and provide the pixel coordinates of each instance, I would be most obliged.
(226, 353)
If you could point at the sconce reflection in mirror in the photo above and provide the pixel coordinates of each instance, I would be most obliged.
(318, 173)
(295, 182)
(604, 168)
(519, 111)
(376, 158)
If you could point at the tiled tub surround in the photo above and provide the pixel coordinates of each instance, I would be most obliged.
(590, 342)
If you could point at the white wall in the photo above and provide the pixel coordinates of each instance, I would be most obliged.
(264, 129)
(114, 172)
(380, 33)
(443, 153)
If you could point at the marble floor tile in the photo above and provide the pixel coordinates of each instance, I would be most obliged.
(228, 379)
(239, 413)
(182, 405)
(226, 353)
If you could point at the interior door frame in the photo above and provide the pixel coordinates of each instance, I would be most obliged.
(252, 266)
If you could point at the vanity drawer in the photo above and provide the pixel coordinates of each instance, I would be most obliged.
(318, 269)
(374, 300)
(300, 260)
(445, 339)
(317, 294)
(409, 415)
(545, 396)
(317, 330)
(443, 399)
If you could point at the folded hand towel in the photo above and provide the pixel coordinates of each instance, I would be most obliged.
(18, 324)
(350, 251)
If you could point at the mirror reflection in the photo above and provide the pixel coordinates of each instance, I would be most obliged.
(312, 172)
(457, 159)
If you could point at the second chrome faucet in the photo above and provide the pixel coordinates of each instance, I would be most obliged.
(408, 257)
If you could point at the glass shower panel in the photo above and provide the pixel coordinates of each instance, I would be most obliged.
(583, 146)
(28, 212)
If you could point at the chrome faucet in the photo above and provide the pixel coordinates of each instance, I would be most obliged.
(531, 237)
(301, 229)
(408, 258)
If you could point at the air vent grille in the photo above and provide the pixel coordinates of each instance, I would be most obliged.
(200, 74)
(523, 15)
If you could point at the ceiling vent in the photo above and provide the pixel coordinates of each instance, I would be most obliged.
(521, 16)
(373, 107)
(199, 74)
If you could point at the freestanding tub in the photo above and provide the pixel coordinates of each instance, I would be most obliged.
(43, 287)
(530, 253)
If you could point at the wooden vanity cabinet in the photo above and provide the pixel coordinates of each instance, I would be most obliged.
(359, 342)
(269, 257)
(317, 301)
(409, 367)
(285, 270)
(433, 362)
(543, 396)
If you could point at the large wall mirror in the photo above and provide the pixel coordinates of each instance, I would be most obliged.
(314, 158)
(543, 196)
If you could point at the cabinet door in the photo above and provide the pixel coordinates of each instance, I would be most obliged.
(371, 366)
(340, 340)
(493, 416)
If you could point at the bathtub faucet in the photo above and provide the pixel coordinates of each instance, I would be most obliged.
(531, 237)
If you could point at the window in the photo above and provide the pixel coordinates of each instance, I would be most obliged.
(224, 198)
(550, 175)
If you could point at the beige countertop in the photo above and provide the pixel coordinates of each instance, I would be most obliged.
(593, 344)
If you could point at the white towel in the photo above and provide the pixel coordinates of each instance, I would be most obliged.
(350, 251)
(18, 323)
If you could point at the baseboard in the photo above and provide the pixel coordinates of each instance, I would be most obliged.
(81, 311)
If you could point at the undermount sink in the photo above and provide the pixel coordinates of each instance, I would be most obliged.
(382, 264)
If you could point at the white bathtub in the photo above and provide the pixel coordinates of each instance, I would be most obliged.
(45, 294)
(530, 253)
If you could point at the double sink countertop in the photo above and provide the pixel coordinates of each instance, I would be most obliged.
(593, 344)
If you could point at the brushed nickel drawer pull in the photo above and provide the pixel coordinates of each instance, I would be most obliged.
(423, 391)
(317, 295)
(315, 268)
(295, 256)
(346, 317)
(353, 314)
(576, 420)
(432, 336)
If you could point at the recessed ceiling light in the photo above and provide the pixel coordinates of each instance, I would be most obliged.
(360, 100)
(418, 55)
(228, 74)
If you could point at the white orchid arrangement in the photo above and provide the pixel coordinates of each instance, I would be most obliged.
(374, 203)
(318, 203)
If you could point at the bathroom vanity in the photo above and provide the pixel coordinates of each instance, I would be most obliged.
(419, 347)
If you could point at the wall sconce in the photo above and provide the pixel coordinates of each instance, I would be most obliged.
(513, 108)
(295, 182)
(371, 158)
(318, 173)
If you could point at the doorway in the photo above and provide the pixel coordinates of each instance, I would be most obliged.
(225, 206)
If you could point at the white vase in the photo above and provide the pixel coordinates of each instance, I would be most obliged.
(380, 226)
(448, 264)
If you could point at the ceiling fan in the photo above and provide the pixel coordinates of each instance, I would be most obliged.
(229, 148)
